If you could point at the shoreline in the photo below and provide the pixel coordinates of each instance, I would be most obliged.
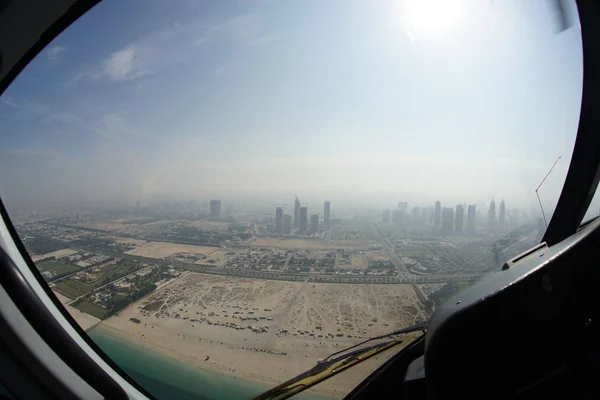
(197, 320)
(205, 372)
(178, 356)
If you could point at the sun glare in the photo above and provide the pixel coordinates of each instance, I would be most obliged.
(431, 16)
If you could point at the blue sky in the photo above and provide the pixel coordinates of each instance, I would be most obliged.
(374, 101)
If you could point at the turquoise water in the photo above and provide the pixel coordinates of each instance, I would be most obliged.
(167, 378)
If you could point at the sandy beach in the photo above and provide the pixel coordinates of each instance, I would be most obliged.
(265, 331)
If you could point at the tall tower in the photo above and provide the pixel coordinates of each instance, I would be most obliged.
(215, 208)
(314, 223)
(460, 215)
(327, 215)
(415, 216)
(492, 215)
(296, 212)
(303, 221)
(471, 218)
(287, 224)
(279, 220)
(502, 216)
(402, 212)
(438, 213)
(447, 220)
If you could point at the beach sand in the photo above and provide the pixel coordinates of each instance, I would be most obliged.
(199, 318)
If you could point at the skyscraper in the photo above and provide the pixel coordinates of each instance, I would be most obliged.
(438, 213)
(492, 215)
(415, 216)
(460, 215)
(215, 208)
(402, 212)
(314, 223)
(296, 212)
(403, 207)
(395, 217)
(447, 220)
(471, 218)
(327, 215)
(287, 224)
(279, 220)
(303, 221)
(502, 216)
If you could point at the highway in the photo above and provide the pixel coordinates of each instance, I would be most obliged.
(389, 248)
(439, 278)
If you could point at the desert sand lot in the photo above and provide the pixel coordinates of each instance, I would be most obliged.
(361, 260)
(216, 258)
(56, 254)
(165, 249)
(107, 226)
(231, 325)
(209, 225)
(308, 244)
(125, 226)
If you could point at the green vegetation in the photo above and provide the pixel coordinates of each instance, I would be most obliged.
(101, 245)
(42, 245)
(118, 303)
(72, 288)
(91, 308)
(137, 321)
(56, 267)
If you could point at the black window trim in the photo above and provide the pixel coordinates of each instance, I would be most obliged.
(83, 365)
(578, 190)
(584, 171)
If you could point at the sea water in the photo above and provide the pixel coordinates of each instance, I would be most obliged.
(167, 378)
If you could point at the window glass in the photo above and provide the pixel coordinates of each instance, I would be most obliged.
(223, 193)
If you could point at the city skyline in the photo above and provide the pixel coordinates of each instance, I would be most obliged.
(458, 220)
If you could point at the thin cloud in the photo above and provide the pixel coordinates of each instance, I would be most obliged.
(31, 151)
(113, 126)
(158, 50)
(42, 110)
(121, 65)
(144, 56)
(53, 54)
(245, 28)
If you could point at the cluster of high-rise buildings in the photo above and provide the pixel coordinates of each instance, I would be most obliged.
(284, 225)
(459, 219)
(215, 208)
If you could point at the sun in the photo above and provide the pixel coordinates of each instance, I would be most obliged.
(431, 16)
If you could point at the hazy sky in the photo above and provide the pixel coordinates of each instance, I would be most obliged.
(374, 100)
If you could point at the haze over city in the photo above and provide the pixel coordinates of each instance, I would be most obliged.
(364, 104)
